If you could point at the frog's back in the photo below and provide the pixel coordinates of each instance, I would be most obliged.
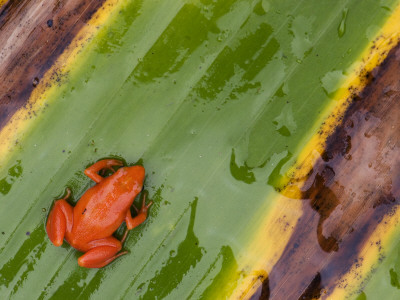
(103, 207)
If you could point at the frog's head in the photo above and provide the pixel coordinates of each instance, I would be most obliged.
(134, 177)
(130, 179)
(136, 173)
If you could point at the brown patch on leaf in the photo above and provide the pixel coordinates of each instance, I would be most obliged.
(29, 45)
(349, 191)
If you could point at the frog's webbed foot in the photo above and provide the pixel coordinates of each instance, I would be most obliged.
(60, 220)
(92, 171)
(101, 253)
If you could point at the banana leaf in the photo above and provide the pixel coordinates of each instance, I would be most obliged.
(220, 101)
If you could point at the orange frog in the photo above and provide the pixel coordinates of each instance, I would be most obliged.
(88, 227)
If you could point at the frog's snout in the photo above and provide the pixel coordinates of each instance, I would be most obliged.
(137, 172)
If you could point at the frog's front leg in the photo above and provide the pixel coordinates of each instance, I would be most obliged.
(60, 220)
(101, 252)
(141, 215)
(91, 172)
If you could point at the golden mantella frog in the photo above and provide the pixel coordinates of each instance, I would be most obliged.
(88, 227)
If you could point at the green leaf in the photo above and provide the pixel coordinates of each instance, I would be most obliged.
(216, 98)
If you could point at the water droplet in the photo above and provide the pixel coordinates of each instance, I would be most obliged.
(331, 81)
(44, 209)
(387, 8)
(265, 5)
(301, 30)
(50, 23)
(285, 123)
(35, 81)
(342, 25)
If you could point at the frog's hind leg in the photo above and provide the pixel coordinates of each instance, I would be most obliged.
(101, 253)
(91, 172)
(60, 220)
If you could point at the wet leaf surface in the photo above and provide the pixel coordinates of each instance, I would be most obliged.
(216, 99)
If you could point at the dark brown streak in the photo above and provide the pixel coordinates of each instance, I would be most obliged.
(8, 9)
(352, 187)
(29, 47)
(324, 202)
(262, 292)
(313, 291)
